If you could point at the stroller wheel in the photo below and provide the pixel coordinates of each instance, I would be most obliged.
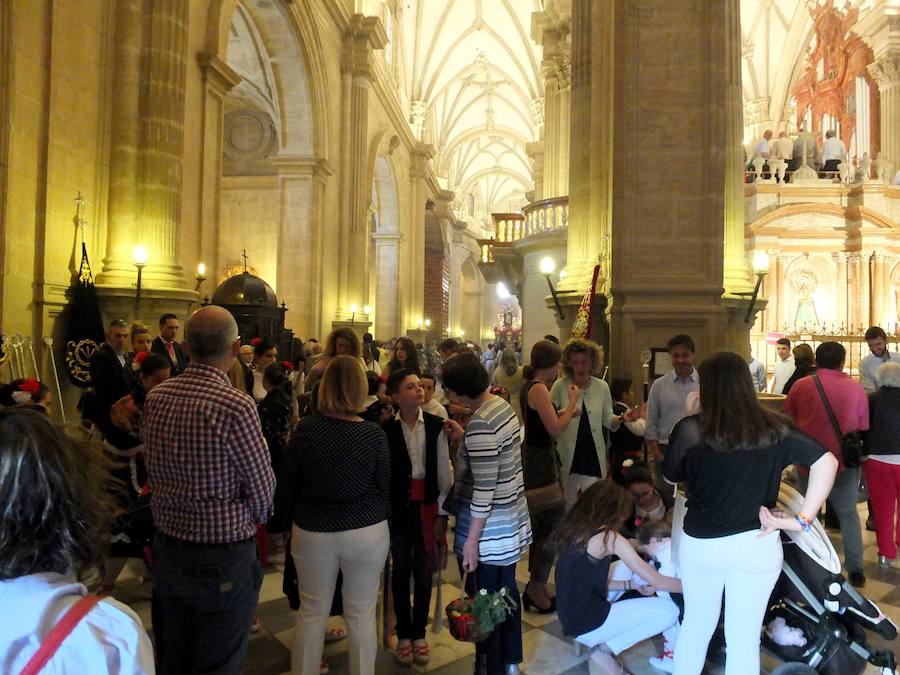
(793, 669)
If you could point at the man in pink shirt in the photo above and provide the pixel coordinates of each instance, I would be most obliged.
(851, 408)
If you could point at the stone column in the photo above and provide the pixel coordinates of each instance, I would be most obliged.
(668, 232)
(551, 32)
(125, 142)
(458, 253)
(877, 313)
(591, 149)
(841, 312)
(854, 291)
(412, 292)
(218, 80)
(736, 273)
(162, 128)
(886, 71)
(772, 286)
(387, 272)
(364, 35)
(301, 188)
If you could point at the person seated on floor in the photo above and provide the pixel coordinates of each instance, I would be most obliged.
(648, 502)
(655, 538)
(586, 541)
(55, 526)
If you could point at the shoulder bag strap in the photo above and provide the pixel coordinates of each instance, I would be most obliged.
(834, 422)
(59, 633)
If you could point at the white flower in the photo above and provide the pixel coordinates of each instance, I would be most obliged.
(483, 591)
(21, 397)
(503, 591)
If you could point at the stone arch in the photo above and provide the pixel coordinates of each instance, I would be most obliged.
(305, 36)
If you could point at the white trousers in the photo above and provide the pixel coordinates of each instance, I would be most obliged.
(630, 622)
(746, 566)
(619, 571)
(318, 556)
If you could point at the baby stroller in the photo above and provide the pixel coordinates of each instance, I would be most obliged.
(812, 595)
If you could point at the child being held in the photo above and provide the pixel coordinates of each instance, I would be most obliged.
(655, 537)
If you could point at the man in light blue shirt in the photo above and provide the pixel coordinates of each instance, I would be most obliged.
(868, 367)
(667, 401)
(757, 373)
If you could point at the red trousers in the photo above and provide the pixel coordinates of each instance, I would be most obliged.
(883, 481)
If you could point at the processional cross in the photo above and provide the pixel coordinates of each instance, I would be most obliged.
(244, 256)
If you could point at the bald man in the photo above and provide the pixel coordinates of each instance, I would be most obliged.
(212, 485)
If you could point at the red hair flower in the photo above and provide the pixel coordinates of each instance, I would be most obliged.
(138, 359)
(30, 385)
(288, 366)
(256, 341)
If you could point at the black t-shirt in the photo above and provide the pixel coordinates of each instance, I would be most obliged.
(725, 488)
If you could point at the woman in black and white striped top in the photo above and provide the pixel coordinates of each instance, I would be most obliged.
(492, 525)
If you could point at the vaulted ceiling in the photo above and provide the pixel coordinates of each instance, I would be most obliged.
(471, 78)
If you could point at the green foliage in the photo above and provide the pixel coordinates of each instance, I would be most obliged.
(489, 608)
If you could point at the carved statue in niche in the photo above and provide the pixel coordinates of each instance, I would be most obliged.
(804, 283)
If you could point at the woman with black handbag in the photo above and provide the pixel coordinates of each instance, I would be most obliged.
(540, 467)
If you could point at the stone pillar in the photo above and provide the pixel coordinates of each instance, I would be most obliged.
(387, 274)
(458, 253)
(886, 71)
(301, 183)
(591, 149)
(668, 233)
(736, 274)
(218, 80)
(841, 310)
(364, 35)
(854, 291)
(412, 292)
(125, 142)
(162, 128)
(878, 293)
(535, 152)
(773, 285)
(552, 32)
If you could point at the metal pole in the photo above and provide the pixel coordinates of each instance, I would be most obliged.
(37, 374)
(62, 410)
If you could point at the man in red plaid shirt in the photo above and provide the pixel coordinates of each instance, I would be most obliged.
(212, 483)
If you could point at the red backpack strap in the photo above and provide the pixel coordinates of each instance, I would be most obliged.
(59, 633)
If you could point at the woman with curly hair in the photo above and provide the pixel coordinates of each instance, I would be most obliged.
(586, 540)
(54, 527)
(582, 448)
(340, 342)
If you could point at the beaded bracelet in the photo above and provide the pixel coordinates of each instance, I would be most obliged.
(805, 523)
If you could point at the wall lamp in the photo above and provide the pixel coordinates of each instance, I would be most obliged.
(140, 261)
(547, 268)
(760, 269)
(354, 308)
(200, 276)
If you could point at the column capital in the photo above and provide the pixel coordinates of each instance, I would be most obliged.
(364, 35)
(886, 69)
(304, 166)
(419, 157)
(216, 72)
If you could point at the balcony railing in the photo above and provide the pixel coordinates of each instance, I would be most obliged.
(546, 215)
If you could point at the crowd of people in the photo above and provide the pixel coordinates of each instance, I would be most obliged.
(218, 459)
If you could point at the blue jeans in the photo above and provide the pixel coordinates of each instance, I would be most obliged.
(207, 597)
(504, 645)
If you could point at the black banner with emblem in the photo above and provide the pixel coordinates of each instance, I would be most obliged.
(84, 331)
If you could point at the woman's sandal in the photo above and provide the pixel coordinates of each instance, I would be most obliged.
(421, 652)
(404, 654)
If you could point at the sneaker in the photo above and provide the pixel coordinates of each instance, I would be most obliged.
(421, 654)
(857, 579)
(404, 653)
(324, 668)
(884, 561)
(667, 665)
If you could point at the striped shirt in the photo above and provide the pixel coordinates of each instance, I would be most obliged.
(207, 459)
(490, 459)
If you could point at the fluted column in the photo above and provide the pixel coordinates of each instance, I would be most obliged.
(591, 151)
(125, 142)
(551, 33)
(364, 35)
(886, 71)
(855, 289)
(877, 290)
(841, 309)
(412, 294)
(736, 274)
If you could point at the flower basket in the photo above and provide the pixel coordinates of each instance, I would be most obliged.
(473, 618)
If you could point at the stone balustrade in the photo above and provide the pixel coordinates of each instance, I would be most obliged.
(546, 215)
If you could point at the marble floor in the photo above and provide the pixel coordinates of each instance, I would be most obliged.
(547, 651)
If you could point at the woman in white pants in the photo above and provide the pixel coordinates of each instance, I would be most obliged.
(338, 471)
(730, 457)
